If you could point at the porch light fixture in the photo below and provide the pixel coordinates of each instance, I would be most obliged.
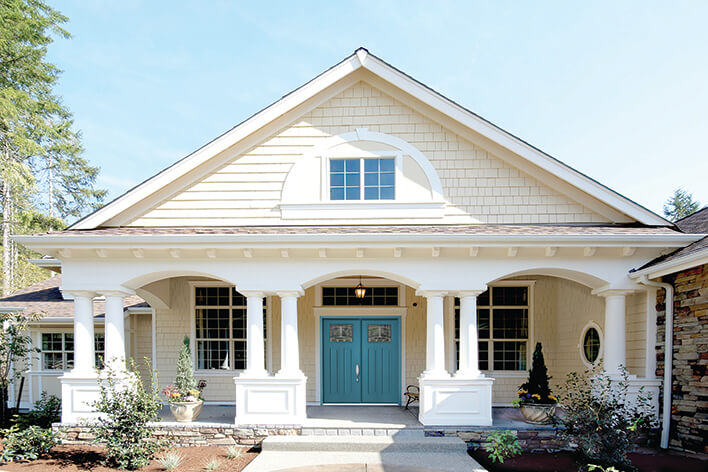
(360, 290)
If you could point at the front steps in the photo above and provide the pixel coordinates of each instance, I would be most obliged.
(364, 452)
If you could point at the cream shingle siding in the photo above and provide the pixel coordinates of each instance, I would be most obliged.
(477, 186)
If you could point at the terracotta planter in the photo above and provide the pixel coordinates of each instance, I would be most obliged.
(186, 412)
(538, 414)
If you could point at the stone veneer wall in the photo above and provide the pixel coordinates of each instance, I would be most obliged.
(689, 408)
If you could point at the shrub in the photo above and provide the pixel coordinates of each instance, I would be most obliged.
(127, 406)
(599, 419)
(171, 460)
(47, 410)
(26, 444)
(536, 389)
(501, 445)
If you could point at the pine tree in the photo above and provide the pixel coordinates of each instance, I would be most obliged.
(680, 205)
(537, 383)
(185, 369)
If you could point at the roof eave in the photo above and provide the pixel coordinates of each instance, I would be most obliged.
(672, 266)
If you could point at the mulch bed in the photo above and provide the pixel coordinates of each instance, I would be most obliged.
(645, 461)
(90, 458)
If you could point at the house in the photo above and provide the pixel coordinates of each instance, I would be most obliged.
(470, 246)
(681, 281)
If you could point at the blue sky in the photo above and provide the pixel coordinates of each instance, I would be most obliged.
(617, 90)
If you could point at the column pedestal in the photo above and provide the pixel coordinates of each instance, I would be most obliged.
(455, 401)
(270, 400)
(78, 392)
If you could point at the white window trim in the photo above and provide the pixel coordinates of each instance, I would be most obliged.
(193, 330)
(529, 284)
(398, 175)
(39, 370)
(581, 342)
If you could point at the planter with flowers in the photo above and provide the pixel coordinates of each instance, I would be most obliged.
(185, 396)
(536, 401)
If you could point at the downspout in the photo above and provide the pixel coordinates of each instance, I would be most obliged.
(668, 356)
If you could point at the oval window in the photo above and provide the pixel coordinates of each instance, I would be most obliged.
(591, 345)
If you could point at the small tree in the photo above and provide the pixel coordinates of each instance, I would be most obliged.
(680, 205)
(185, 369)
(15, 346)
(127, 406)
(536, 389)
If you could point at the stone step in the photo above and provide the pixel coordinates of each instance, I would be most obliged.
(389, 444)
(397, 432)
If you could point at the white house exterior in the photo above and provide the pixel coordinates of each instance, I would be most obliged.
(471, 243)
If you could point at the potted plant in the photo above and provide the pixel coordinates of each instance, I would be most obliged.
(185, 396)
(536, 401)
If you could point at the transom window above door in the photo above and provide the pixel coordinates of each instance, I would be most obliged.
(362, 179)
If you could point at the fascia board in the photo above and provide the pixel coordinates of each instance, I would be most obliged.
(672, 266)
(514, 144)
(220, 144)
(11, 309)
(317, 240)
(63, 321)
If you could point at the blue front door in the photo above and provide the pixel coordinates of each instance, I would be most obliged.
(361, 360)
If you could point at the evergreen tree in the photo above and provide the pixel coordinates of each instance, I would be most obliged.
(680, 205)
(40, 153)
(537, 383)
(185, 369)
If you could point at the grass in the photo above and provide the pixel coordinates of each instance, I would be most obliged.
(212, 464)
(233, 452)
(171, 460)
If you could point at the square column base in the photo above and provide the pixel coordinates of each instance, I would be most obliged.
(647, 387)
(270, 400)
(455, 401)
(78, 391)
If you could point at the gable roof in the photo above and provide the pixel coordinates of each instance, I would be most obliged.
(362, 59)
(45, 297)
(694, 254)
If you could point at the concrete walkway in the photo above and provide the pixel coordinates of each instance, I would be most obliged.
(358, 454)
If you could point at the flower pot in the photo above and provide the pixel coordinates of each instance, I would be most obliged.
(186, 412)
(537, 414)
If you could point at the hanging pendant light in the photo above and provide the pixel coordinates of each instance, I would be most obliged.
(360, 290)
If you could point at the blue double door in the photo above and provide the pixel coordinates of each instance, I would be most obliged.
(361, 360)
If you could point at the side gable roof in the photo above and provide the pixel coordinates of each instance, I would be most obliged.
(362, 59)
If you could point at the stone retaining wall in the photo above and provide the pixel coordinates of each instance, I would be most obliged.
(689, 404)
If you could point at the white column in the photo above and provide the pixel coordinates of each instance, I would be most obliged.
(615, 331)
(469, 346)
(84, 354)
(255, 347)
(289, 348)
(435, 336)
(115, 331)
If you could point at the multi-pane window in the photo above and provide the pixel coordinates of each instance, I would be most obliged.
(57, 350)
(375, 296)
(220, 315)
(502, 328)
(346, 176)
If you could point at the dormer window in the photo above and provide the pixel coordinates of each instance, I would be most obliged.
(377, 174)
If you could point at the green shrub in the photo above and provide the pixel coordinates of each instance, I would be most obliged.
(598, 418)
(536, 390)
(127, 406)
(26, 444)
(47, 410)
(501, 445)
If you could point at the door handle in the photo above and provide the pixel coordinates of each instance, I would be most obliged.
(356, 369)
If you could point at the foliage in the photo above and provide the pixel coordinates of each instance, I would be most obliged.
(41, 168)
(592, 467)
(127, 406)
(212, 464)
(15, 347)
(598, 417)
(170, 460)
(680, 204)
(233, 452)
(502, 444)
(47, 410)
(26, 444)
(185, 389)
(536, 389)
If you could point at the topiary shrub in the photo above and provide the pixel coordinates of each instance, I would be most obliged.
(598, 418)
(127, 406)
(26, 444)
(536, 389)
